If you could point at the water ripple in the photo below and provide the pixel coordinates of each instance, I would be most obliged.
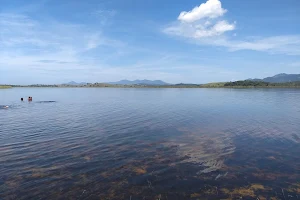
(112, 142)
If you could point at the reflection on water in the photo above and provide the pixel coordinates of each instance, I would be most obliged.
(150, 144)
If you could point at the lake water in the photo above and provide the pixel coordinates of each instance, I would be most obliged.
(104, 143)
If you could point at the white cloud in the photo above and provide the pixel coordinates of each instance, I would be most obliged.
(56, 52)
(202, 22)
(223, 26)
(288, 44)
(205, 25)
(197, 31)
(25, 41)
(201, 31)
(210, 9)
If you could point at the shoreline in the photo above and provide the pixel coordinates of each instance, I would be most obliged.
(236, 84)
(161, 87)
(5, 87)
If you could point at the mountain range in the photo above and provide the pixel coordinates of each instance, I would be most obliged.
(75, 83)
(124, 82)
(279, 78)
(139, 82)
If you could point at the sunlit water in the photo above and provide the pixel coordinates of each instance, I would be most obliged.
(102, 143)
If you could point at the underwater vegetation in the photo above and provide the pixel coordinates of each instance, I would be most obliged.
(193, 165)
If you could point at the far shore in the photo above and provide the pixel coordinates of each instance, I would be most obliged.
(236, 84)
(158, 87)
(5, 86)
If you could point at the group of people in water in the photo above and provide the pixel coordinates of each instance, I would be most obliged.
(22, 99)
(29, 99)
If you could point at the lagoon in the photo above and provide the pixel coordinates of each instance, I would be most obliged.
(149, 143)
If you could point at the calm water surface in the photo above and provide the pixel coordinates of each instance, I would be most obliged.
(150, 144)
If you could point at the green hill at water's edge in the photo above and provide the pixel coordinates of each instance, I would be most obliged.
(279, 78)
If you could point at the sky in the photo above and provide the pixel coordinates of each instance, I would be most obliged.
(177, 41)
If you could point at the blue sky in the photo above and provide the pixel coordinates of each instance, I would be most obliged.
(191, 41)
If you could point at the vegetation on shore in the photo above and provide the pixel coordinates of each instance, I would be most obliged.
(236, 84)
(249, 83)
(5, 86)
(214, 85)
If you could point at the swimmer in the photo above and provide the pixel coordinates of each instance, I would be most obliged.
(5, 106)
(22, 99)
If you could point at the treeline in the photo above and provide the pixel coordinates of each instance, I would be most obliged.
(248, 83)
(241, 84)
(35, 85)
(5, 86)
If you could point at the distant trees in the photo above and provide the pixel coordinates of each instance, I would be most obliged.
(249, 83)
(245, 84)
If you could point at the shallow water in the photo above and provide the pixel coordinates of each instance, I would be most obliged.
(105, 143)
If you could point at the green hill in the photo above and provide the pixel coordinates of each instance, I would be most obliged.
(249, 83)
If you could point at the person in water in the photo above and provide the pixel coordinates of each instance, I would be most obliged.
(22, 99)
(29, 98)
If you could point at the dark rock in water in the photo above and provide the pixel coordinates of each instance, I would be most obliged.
(46, 101)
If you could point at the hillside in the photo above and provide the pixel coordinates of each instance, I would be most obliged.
(279, 78)
(249, 83)
(139, 82)
(74, 83)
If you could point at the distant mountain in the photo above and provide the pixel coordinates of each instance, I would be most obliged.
(74, 83)
(280, 78)
(254, 79)
(139, 82)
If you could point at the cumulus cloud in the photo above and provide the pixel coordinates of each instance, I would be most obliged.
(202, 22)
(210, 9)
(206, 25)
(200, 30)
